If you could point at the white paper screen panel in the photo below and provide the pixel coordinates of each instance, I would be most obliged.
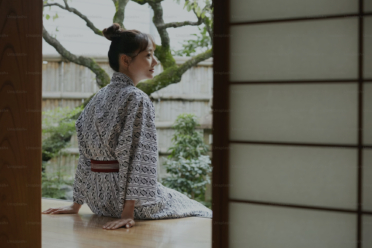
(301, 50)
(367, 180)
(367, 49)
(367, 230)
(255, 10)
(367, 113)
(310, 176)
(367, 6)
(259, 226)
(313, 113)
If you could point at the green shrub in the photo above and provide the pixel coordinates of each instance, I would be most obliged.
(57, 127)
(188, 162)
(56, 121)
(51, 184)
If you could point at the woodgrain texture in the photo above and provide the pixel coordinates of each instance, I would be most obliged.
(20, 122)
(85, 230)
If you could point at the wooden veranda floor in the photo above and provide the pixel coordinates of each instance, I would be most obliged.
(85, 230)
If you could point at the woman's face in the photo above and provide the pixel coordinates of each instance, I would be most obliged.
(141, 67)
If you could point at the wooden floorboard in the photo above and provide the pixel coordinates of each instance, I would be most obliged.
(85, 230)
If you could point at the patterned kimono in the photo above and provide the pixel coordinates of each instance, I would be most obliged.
(119, 124)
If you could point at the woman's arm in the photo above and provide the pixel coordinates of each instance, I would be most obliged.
(80, 182)
(72, 209)
(126, 218)
(136, 150)
(128, 210)
(76, 206)
(79, 185)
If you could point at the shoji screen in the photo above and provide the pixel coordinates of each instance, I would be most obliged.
(299, 124)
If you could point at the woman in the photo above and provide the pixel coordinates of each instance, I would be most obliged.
(117, 171)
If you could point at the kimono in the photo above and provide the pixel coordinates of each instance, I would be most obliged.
(119, 124)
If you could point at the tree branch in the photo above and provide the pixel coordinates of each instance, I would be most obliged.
(159, 22)
(186, 23)
(164, 54)
(172, 74)
(180, 24)
(76, 12)
(207, 22)
(120, 12)
(102, 77)
(142, 2)
(195, 60)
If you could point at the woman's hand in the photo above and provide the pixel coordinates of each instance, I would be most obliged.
(126, 217)
(73, 209)
(127, 222)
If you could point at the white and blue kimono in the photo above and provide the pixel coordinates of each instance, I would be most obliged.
(119, 124)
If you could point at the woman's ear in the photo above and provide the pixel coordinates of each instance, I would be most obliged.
(125, 60)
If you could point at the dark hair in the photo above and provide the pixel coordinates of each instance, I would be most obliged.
(126, 42)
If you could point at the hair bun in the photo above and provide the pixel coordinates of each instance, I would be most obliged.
(113, 31)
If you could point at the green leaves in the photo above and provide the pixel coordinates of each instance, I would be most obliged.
(188, 142)
(55, 16)
(203, 40)
(57, 127)
(188, 164)
(194, 5)
(51, 183)
(47, 15)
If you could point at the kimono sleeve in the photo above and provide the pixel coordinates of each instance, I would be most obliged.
(80, 182)
(137, 152)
